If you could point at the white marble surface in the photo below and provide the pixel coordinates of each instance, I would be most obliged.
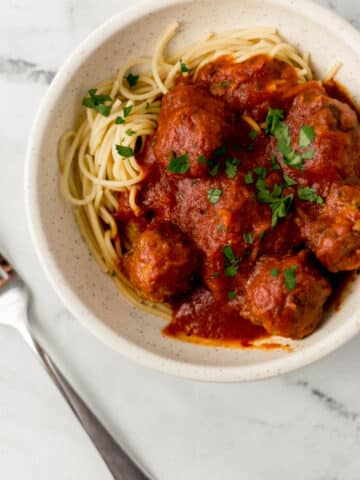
(305, 425)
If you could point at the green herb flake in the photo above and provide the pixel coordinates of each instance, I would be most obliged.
(290, 278)
(124, 151)
(306, 136)
(220, 227)
(215, 275)
(273, 119)
(127, 110)
(214, 168)
(130, 132)
(183, 67)
(274, 163)
(229, 254)
(308, 194)
(260, 172)
(231, 295)
(309, 155)
(214, 195)
(248, 238)
(253, 134)
(231, 165)
(248, 178)
(202, 159)
(96, 102)
(119, 121)
(179, 164)
(220, 151)
(274, 272)
(231, 271)
(289, 182)
(132, 79)
(224, 84)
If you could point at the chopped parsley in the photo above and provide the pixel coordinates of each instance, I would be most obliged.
(231, 295)
(309, 194)
(214, 168)
(119, 121)
(179, 164)
(253, 134)
(289, 182)
(273, 119)
(274, 272)
(124, 151)
(183, 67)
(279, 205)
(231, 261)
(130, 132)
(215, 275)
(248, 178)
(231, 165)
(306, 136)
(276, 127)
(260, 172)
(201, 159)
(290, 278)
(220, 151)
(132, 79)
(214, 195)
(274, 163)
(97, 102)
(248, 238)
(224, 84)
(127, 110)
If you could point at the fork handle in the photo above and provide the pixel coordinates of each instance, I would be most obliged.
(118, 462)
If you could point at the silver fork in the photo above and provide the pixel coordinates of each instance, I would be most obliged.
(14, 298)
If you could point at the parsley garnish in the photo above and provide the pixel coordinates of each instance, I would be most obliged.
(179, 164)
(231, 261)
(220, 151)
(183, 67)
(127, 110)
(124, 151)
(253, 134)
(309, 194)
(274, 272)
(274, 163)
(201, 159)
(231, 295)
(231, 165)
(260, 172)
(276, 127)
(96, 102)
(248, 178)
(215, 275)
(224, 84)
(290, 278)
(119, 120)
(248, 238)
(273, 119)
(214, 168)
(130, 132)
(306, 136)
(289, 182)
(132, 79)
(214, 195)
(279, 205)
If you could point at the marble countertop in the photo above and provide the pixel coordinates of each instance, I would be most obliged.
(305, 425)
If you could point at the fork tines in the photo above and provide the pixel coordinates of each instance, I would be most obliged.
(5, 271)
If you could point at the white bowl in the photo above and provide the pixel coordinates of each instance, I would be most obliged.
(90, 295)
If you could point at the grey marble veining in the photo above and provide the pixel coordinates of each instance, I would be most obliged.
(305, 425)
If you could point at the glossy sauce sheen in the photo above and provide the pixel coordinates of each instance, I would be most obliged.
(203, 119)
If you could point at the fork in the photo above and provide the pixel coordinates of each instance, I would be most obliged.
(14, 298)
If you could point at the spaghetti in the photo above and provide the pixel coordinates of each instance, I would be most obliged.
(97, 160)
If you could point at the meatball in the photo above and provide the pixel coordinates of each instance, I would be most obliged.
(334, 152)
(191, 122)
(285, 295)
(250, 87)
(160, 263)
(332, 231)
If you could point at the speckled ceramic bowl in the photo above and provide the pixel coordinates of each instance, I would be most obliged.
(90, 295)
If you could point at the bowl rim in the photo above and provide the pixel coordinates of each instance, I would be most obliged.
(210, 373)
